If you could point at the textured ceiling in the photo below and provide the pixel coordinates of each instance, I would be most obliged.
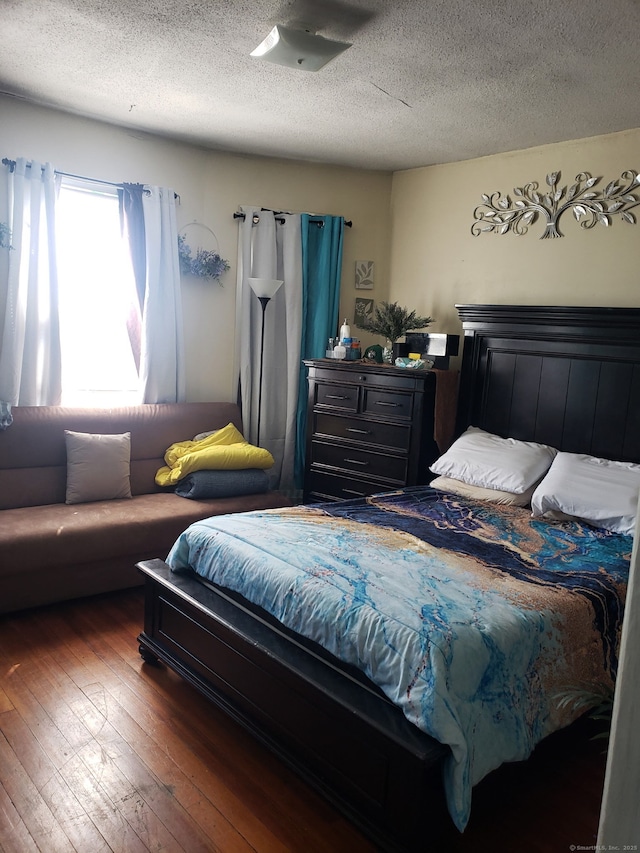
(424, 82)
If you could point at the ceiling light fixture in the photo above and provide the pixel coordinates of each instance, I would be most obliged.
(298, 48)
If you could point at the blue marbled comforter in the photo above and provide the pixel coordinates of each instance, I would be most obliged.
(473, 619)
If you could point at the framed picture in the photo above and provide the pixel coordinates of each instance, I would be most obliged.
(364, 275)
(362, 311)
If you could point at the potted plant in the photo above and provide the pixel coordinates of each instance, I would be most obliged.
(596, 700)
(393, 321)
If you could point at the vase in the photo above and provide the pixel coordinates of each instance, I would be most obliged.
(399, 350)
(387, 353)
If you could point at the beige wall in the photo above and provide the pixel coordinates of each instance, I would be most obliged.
(436, 262)
(211, 185)
(415, 225)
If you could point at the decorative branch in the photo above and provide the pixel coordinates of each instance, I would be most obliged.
(500, 214)
(392, 321)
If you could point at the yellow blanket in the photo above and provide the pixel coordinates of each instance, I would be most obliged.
(225, 449)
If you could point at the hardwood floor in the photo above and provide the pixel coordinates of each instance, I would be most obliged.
(101, 752)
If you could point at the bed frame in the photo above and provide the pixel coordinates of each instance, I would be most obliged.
(569, 377)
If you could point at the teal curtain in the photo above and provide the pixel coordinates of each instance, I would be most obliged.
(322, 240)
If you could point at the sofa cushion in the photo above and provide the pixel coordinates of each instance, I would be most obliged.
(57, 535)
(97, 466)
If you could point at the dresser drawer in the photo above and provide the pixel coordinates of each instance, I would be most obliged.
(385, 378)
(323, 486)
(343, 397)
(392, 381)
(387, 403)
(396, 436)
(365, 462)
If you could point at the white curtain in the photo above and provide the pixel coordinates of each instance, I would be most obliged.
(162, 369)
(269, 248)
(30, 363)
(619, 815)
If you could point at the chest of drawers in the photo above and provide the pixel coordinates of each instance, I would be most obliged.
(369, 428)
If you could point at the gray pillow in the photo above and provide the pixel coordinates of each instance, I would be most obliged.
(97, 466)
(223, 484)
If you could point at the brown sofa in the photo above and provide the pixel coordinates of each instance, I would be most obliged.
(50, 550)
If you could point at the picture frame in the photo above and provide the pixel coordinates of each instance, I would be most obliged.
(363, 311)
(364, 275)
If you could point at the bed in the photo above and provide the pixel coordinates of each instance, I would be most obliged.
(397, 753)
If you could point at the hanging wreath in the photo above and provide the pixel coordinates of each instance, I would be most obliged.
(206, 263)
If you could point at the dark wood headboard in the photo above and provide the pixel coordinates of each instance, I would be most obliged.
(564, 376)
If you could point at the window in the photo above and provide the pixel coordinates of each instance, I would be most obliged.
(97, 296)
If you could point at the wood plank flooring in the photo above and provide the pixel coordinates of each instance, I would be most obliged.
(100, 752)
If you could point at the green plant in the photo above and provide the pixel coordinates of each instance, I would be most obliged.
(393, 321)
(596, 700)
(5, 236)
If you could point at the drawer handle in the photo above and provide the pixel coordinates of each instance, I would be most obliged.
(354, 492)
(337, 397)
(355, 462)
(383, 403)
(359, 431)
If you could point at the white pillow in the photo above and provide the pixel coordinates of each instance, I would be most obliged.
(97, 466)
(202, 435)
(478, 493)
(483, 459)
(601, 492)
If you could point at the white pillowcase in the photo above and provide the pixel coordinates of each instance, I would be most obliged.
(601, 492)
(478, 493)
(97, 466)
(483, 459)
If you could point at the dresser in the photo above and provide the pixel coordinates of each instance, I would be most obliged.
(370, 427)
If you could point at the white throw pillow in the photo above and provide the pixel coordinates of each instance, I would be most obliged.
(97, 466)
(478, 493)
(602, 492)
(483, 459)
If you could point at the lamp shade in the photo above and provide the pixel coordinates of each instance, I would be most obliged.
(264, 287)
(298, 48)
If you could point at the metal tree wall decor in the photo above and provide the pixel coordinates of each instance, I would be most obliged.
(499, 214)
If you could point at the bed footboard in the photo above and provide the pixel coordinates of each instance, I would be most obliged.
(347, 741)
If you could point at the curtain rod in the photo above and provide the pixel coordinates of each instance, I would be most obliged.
(279, 219)
(12, 165)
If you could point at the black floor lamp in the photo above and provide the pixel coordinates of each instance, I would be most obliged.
(265, 289)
